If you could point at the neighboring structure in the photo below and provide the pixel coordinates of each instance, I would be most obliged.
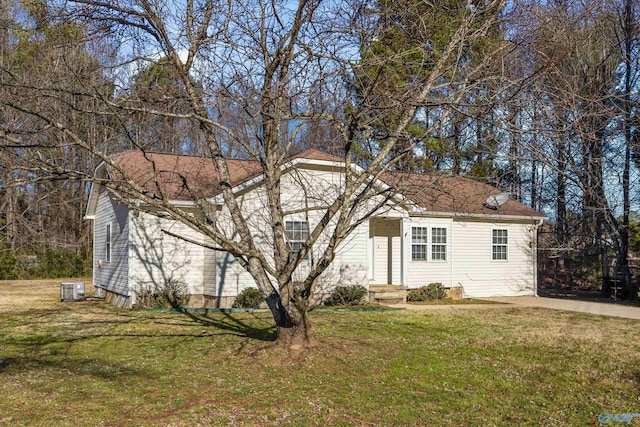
(451, 230)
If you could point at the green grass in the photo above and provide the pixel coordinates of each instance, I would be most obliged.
(449, 301)
(91, 364)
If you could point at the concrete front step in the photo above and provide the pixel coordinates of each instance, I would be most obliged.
(386, 287)
(387, 294)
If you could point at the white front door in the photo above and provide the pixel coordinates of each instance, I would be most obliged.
(381, 256)
(386, 250)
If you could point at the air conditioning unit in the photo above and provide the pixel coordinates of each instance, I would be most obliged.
(72, 291)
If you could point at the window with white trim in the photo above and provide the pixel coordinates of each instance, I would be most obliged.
(499, 245)
(438, 244)
(107, 244)
(419, 243)
(297, 233)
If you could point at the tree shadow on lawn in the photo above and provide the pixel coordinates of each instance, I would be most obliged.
(223, 321)
(49, 342)
(74, 366)
(92, 321)
(235, 325)
(44, 351)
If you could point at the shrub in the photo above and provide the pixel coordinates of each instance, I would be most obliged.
(347, 295)
(417, 295)
(40, 263)
(8, 265)
(55, 263)
(172, 294)
(249, 298)
(427, 293)
(436, 291)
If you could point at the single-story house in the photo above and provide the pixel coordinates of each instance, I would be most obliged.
(447, 229)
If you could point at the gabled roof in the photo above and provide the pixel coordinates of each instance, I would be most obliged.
(166, 174)
(186, 178)
(180, 177)
(454, 194)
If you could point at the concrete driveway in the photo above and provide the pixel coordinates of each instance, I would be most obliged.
(604, 309)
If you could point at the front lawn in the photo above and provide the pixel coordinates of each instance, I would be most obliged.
(91, 364)
(449, 301)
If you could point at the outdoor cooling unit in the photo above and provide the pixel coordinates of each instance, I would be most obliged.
(72, 291)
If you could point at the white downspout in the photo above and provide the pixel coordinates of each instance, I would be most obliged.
(370, 268)
(93, 253)
(403, 253)
(131, 253)
(537, 224)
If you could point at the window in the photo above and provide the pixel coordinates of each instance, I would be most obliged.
(421, 240)
(438, 244)
(419, 236)
(107, 255)
(297, 233)
(499, 246)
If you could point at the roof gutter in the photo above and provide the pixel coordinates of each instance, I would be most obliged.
(537, 219)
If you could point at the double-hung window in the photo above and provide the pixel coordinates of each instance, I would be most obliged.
(107, 243)
(297, 233)
(438, 244)
(419, 243)
(428, 244)
(499, 245)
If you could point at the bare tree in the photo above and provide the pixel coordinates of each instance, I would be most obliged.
(581, 47)
(264, 71)
(45, 66)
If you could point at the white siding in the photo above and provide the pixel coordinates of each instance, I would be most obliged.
(421, 273)
(474, 268)
(350, 264)
(302, 190)
(231, 278)
(209, 271)
(160, 259)
(469, 262)
(113, 275)
(307, 188)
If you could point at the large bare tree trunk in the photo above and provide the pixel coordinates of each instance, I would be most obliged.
(292, 322)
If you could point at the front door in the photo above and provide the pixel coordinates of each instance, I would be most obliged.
(386, 250)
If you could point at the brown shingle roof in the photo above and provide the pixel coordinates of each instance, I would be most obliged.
(313, 154)
(180, 177)
(453, 194)
(166, 175)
